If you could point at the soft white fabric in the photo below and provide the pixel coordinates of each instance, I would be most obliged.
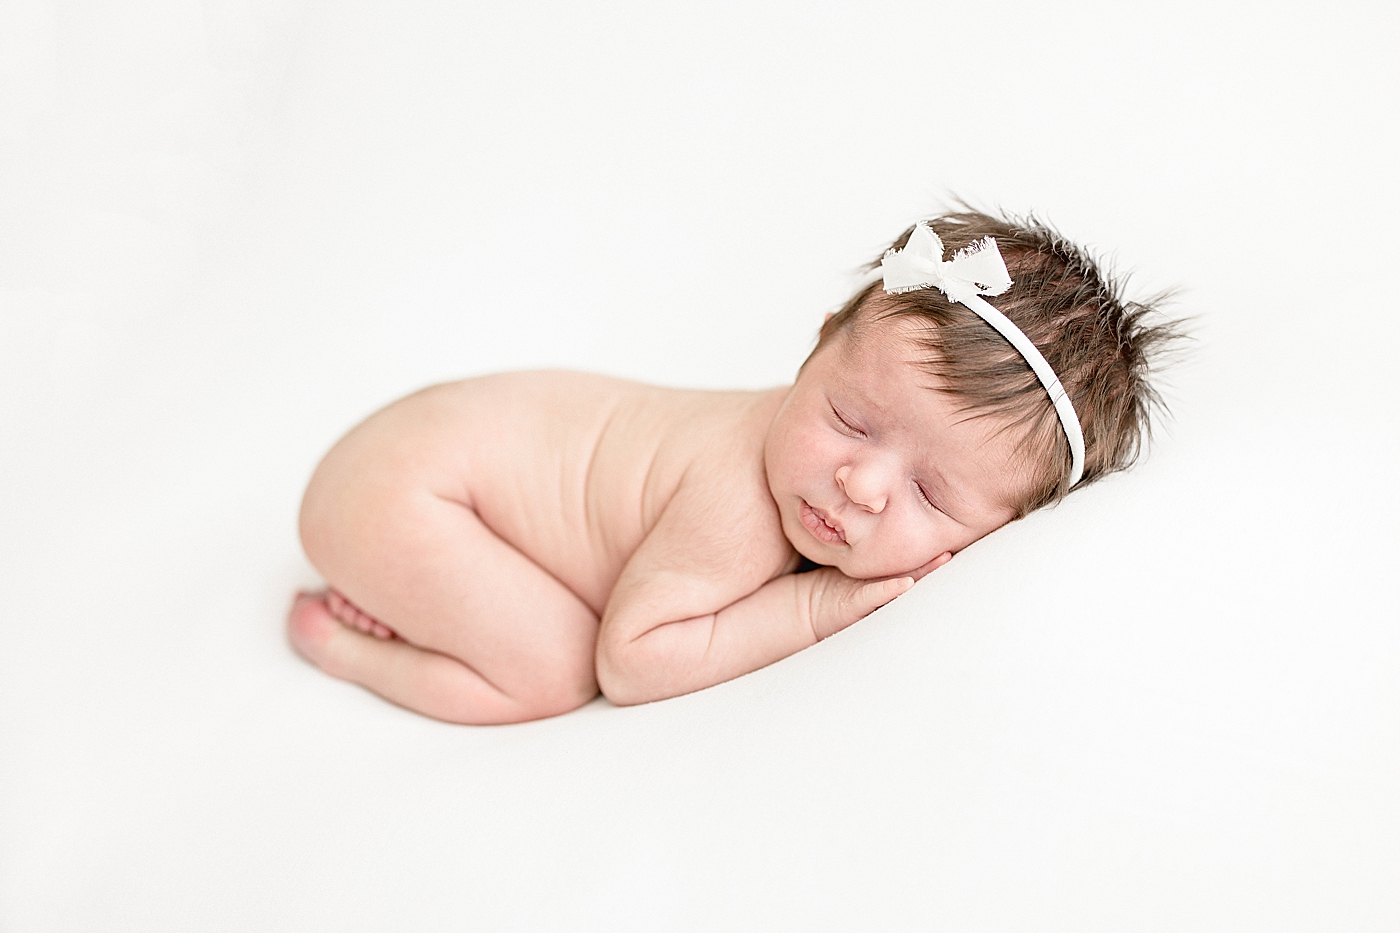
(974, 271)
(230, 230)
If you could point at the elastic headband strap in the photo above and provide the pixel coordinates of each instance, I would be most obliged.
(1069, 420)
(973, 272)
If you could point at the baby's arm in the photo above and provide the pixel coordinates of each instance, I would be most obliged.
(700, 602)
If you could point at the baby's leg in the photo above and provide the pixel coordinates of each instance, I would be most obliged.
(484, 635)
(421, 680)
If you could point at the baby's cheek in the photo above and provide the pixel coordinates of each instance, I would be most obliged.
(905, 554)
(795, 461)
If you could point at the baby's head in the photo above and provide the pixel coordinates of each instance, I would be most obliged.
(959, 435)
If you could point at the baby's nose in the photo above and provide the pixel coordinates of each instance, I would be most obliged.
(863, 487)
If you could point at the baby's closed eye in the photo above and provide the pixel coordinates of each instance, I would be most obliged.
(845, 426)
(923, 494)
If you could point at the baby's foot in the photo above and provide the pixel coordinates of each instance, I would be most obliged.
(347, 613)
(312, 626)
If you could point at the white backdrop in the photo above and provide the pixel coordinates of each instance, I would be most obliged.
(230, 230)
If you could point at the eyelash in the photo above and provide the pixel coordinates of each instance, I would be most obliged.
(850, 429)
(923, 495)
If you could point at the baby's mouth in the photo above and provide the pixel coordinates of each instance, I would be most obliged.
(821, 527)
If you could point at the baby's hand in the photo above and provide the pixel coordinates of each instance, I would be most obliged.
(836, 600)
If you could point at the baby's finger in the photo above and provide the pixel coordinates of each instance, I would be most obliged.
(932, 565)
(874, 595)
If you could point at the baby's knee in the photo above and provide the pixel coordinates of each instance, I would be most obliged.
(555, 688)
(353, 509)
(323, 522)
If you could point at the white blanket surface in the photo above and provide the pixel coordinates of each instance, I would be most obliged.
(229, 231)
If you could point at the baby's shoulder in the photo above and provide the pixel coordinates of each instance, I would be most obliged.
(723, 499)
(563, 405)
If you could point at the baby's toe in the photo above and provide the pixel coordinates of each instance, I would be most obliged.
(310, 626)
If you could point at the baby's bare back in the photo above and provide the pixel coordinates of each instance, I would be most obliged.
(574, 470)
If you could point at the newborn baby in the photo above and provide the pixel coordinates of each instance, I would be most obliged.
(502, 548)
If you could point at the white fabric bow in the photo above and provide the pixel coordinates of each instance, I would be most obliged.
(976, 270)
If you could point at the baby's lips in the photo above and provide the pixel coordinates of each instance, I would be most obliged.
(840, 532)
(831, 523)
(821, 517)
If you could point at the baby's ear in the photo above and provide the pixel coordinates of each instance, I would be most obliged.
(829, 316)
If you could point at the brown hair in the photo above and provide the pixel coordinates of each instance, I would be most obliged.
(1101, 346)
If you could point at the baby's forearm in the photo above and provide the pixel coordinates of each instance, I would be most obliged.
(691, 654)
